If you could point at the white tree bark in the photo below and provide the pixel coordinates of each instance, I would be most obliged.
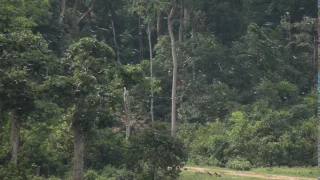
(175, 69)
(151, 73)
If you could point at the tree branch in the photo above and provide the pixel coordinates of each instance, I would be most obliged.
(87, 13)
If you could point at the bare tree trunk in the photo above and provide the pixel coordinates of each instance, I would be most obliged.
(62, 10)
(160, 24)
(15, 136)
(140, 41)
(175, 69)
(151, 72)
(128, 130)
(78, 153)
(115, 40)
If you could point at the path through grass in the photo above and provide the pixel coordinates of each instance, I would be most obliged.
(282, 173)
(310, 172)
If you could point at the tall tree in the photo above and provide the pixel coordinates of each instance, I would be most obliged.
(94, 79)
(145, 11)
(175, 68)
(24, 58)
(90, 65)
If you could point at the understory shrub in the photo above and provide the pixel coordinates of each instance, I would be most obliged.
(204, 161)
(109, 173)
(239, 164)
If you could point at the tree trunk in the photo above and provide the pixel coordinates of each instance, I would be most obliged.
(115, 40)
(127, 111)
(15, 136)
(160, 24)
(78, 153)
(181, 23)
(151, 73)
(140, 41)
(74, 20)
(62, 10)
(175, 69)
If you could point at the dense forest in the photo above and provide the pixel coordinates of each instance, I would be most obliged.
(124, 89)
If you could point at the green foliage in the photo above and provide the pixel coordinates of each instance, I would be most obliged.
(152, 151)
(91, 175)
(199, 107)
(24, 62)
(209, 144)
(245, 94)
(239, 164)
(117, 174)
(13, 16)
(104, 148)
(5, 135)
(109, 173)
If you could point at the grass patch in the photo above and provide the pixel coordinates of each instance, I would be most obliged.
(310, 172)
(307, 172)
(191, 175)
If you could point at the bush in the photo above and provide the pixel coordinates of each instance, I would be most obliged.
(90, 175)
(53, 178)
(10, 171)
(117, 174)
(42, 178)
(150, 152)
(239, 164)
(93, 175)
(109, 173)
(204, 161)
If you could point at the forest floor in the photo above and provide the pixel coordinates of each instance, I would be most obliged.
(248, 174)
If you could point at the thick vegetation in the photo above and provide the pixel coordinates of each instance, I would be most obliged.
(118, 89)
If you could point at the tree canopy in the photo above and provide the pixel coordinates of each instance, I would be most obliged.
(228, 83)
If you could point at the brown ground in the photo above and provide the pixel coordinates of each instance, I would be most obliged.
(246, 174)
